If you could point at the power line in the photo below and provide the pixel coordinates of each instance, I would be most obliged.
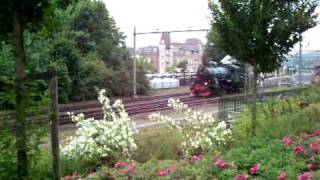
(174, 31)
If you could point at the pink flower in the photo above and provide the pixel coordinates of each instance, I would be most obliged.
(287, 141)
(76, 175)
(120, 165)
(171, 168)
(315, 147)
(241, 177)
(92, 175)
(197, 157)
(68, 178)
(254, 169)
(315, 133)
(221, 164)
(305, 176)
(282, 176)
(305, 136)
(131, 168)
(163, 173)
(299, 149)
(311, 166)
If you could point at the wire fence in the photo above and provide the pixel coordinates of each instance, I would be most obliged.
(229, 108)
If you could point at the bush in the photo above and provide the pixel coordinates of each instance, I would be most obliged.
(39, 159)
(200, 131)
(68, 166)
(265, 158)
(276, 119)
(100, 138)
(154, 169)
(258, 158)
(8, 166)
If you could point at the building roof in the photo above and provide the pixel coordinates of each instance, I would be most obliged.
(191, 44)
(149, 50)
(193, 41)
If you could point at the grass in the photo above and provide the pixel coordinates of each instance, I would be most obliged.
(158, 142)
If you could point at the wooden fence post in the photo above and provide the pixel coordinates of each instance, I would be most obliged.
(54, 119)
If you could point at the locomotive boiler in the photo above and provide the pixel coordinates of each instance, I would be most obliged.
(216, 79)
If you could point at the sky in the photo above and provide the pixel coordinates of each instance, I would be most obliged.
(166, 15)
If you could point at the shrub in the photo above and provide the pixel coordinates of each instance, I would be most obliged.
(264, 158)
(200, 131)
(258, 158)
(100, 138)
(153, 169)
(284, 117)
(39, 159)
(8, 167)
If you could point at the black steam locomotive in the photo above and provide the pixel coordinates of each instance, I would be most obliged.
(218, 78)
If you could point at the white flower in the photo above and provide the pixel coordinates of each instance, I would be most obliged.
(98, 138)
(200, 130)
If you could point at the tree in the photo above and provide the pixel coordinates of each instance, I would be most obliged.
(260, 32)
(214, 53)
(144, 65)
(183, 65)
(15, 18)
(99, 32)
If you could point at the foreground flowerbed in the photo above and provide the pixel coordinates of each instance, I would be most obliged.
(286, 159)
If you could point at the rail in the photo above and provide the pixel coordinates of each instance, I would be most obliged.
(144, 105)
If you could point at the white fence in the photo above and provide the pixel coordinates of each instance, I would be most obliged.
(164, 83)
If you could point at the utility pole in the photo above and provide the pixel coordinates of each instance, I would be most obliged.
(300, 52)
(134, 72)
(300, 60)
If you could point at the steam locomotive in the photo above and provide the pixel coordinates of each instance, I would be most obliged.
(216, 79)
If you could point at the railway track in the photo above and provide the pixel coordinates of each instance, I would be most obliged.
(142, 105)
(135, 106)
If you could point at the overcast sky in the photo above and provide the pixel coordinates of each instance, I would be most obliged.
(150, 15)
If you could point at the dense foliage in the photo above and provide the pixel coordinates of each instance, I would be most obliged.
(89, 53)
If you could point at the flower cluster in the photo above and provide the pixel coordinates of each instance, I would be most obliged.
(77, 176)
(197, 157)
(308, 147)
(223, 165)
(131, 168)
(167, 171)
(98, 138)
(200, 130)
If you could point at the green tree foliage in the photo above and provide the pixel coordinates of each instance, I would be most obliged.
(81, 32)
(145, 65)
(214, 53)
(99, 32)
(95, 32)
(260, 32)
(183, 65)
(16, 17)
